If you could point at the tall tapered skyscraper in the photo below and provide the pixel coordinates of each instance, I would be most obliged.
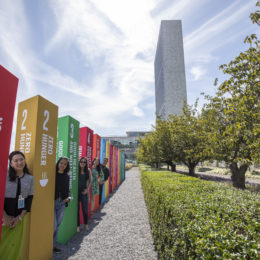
(169, 70)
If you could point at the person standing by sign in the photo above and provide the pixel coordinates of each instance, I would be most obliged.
(18, 200)
(62, 196)
(83, 190)
(97, 179)
(105, 171)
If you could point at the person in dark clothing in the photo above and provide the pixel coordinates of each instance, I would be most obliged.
(105, 171)
(18, 200)
(83, 190)
(62, 196)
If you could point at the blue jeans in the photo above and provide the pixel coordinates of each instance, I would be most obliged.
(59, 208)
(84, 203)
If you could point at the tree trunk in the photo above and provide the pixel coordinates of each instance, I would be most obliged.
(192, 169)
(168, 167)
(238, 175)
(173, 166)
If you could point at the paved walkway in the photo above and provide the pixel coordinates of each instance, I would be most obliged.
(120, 230)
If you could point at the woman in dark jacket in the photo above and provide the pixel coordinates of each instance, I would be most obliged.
(83, 190)
(62, 196)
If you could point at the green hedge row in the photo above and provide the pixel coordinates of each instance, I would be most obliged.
(197, 219)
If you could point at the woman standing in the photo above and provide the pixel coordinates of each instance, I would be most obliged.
(83, 190)
(62, 196)
(18, 200)
(97, 179)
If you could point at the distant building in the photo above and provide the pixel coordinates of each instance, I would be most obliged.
(170, 82)
(127, 144)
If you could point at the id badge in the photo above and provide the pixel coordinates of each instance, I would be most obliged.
(20, 202)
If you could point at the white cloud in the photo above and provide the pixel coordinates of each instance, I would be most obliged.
(197, 72)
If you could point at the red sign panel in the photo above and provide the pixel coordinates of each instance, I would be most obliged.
(96, 146)
(8, 90)
(86, 144)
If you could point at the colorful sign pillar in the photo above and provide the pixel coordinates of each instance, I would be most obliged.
(122, 167)
(116, 166)
(67, 145)
(86, 144)
(107, 182)
(96, 146)
(102, 156)
(8, 90)
(36, 137)
(85, 149)
(110, 167)
(119, 168)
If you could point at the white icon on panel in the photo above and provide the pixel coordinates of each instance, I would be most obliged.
(44, 179)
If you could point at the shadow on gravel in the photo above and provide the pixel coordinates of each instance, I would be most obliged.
(70, 248)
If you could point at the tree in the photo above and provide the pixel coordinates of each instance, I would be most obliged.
(148, 150)
(190, 137)
(234, 112)
(167, 148)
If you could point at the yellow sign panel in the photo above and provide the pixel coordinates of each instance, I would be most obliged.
(36, 137)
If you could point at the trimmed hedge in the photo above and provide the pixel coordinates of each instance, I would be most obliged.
(197, 219)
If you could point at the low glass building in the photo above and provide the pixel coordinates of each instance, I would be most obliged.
(127, 144)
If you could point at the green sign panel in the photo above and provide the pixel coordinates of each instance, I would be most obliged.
(68, 146)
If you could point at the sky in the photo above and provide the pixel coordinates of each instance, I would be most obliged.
(95, 59)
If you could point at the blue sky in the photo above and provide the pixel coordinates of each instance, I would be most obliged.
(95, 59)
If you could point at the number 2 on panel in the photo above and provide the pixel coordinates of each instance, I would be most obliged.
(47, 115)
(24, 115)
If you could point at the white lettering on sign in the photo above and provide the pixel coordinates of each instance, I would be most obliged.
(28, 140)
(25, 142)
(60, 149)
(80, 151)
(72, 131)
(89, 153)
(47, 148)
(44, 149)
(74, 173)
(1, 123)
(50, 145)
(22, 141)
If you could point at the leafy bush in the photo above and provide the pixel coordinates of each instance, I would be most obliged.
(128, 166)
(197, 219)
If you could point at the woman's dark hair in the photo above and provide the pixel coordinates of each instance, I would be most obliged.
(98, 166)
(86, 166)
(67, 169)
(11, 170)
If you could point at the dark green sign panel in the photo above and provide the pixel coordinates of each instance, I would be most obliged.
(68, 145)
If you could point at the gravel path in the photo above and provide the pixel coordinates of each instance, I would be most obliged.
(120, 230)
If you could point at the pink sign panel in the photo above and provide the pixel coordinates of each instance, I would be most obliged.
(85, 149)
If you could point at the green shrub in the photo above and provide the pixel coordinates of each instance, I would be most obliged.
(197, 219)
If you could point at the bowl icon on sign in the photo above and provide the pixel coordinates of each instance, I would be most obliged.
(43, 182)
